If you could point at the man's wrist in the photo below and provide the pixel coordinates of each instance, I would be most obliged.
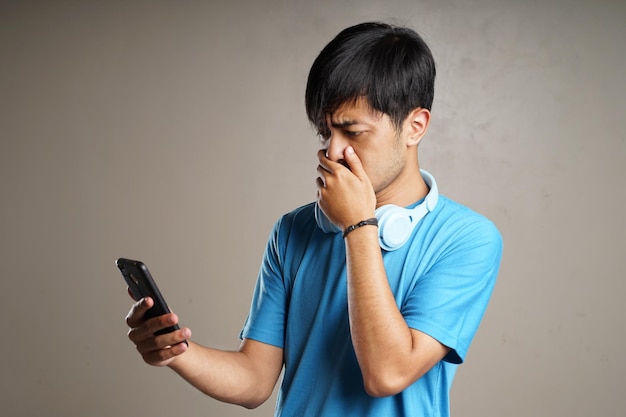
(373, 221)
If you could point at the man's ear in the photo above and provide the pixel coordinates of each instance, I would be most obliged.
(416, 125)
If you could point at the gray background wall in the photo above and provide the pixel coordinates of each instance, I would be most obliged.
(174, 132)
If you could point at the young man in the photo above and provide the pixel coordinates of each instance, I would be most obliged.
(369, 297)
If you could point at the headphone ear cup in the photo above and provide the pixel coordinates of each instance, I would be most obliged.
(323, 223)
(394, 226)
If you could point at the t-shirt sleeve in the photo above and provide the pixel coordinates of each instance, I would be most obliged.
(450, 298)
(266, 320)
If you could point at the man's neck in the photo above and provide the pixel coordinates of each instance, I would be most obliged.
(405, 190)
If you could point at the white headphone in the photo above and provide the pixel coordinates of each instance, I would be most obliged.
(395, 224)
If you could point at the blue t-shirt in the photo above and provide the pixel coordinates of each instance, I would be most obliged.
(442, 280)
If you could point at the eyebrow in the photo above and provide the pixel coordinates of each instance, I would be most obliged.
(345, 123)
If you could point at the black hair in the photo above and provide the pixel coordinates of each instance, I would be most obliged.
(391, 67)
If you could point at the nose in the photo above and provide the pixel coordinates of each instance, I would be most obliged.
(335, 147)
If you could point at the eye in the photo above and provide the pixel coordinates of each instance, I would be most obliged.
(353, 133)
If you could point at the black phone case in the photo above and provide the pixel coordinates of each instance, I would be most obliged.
(141, 285)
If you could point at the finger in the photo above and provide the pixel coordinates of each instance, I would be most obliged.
(324, 176)
(135, 316)
(164, 355)
(148, 328)
(323, 169)
(328, 164)
(354, 162)
(324, 161)
(320, 183)
(165, 341)
(160, 349)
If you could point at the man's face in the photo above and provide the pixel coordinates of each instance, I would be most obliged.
(373, 136)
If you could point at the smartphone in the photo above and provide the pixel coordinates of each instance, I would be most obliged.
(141, 285)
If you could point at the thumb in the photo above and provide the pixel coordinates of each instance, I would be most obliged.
(353, 161)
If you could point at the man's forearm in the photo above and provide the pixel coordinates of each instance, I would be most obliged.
(379, 333)
(228, 376)
(390, 354)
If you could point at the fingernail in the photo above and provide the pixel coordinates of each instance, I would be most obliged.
(350, 150)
